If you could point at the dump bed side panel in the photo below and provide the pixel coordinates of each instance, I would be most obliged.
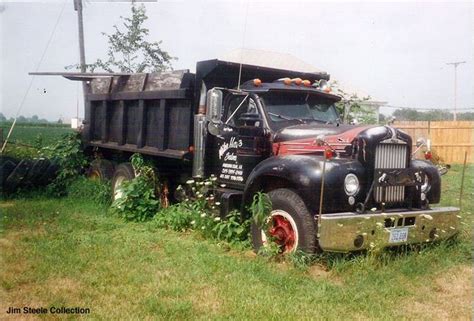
(146, 113)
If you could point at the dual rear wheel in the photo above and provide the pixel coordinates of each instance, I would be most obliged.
(104, 170)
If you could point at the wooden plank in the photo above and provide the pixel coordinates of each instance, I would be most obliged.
(449, 139)
(162, 94)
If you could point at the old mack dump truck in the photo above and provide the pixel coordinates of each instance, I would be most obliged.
(278, 132)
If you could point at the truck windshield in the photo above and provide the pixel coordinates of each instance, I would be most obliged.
(288, 108)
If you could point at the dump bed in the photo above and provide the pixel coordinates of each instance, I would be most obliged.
(152, 113)
(145, 113)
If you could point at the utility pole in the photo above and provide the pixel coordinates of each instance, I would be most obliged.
(455, 65)
(82, 54)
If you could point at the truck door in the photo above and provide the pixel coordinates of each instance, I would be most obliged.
(242, 142)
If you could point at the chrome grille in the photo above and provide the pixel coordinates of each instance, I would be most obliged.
(390, 156)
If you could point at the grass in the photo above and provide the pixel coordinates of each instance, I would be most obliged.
(27, 139)
(71, 252)
(31, 134)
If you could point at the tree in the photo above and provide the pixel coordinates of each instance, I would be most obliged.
(2, 117)
(129, 51)
(351, 107)
(412, 114)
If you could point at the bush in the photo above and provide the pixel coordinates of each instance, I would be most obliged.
(138, 202)
(71, 160)
(199, 211)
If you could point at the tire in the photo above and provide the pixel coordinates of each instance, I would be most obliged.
(37, 170)
(292, 226)
(123, 172)
(49, 174)
(16, 177)
(6, 168)
(101, 169)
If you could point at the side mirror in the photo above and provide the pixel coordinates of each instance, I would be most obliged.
(420, 142)
(214, 105)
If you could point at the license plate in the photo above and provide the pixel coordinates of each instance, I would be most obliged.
(398, 235)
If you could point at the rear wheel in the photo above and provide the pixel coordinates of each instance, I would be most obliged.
(290, 224)
(101, 169)
(123, 172)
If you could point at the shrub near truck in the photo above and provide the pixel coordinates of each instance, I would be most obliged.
(278, 132)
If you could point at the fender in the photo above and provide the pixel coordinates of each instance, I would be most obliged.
(434, 178)
(303, 173)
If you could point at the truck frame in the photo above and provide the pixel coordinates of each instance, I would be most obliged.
(268, 130)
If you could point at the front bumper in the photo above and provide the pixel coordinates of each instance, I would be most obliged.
(345, 232)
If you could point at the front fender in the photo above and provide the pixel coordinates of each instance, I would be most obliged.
(303, 173)
(434, 193)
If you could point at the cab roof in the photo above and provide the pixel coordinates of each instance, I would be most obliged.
(249, 86)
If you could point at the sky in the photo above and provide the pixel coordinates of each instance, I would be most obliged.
(394, 51)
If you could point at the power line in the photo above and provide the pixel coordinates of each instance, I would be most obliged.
(33, 77)
(424, 108)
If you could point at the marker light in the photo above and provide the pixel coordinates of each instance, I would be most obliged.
(297, 81)
(328, 153)
(257, 82)
(286, 81)
(307, 83)
(428, 155)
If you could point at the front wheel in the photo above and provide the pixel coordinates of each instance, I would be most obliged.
(290, 224)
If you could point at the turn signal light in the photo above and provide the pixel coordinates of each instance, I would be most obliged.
(328, 154)
(257, 82)
(428, 155)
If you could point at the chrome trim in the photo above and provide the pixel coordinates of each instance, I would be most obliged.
(339, 230)
(390, 155)
(199, 144)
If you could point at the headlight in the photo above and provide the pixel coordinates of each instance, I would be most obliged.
(425, 187)
(351, 184)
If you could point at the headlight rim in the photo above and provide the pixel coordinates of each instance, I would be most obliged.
(351, 193)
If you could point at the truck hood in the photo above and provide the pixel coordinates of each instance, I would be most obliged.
(301, 139)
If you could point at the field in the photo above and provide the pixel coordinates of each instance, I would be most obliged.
(71, 252)
(28, 133)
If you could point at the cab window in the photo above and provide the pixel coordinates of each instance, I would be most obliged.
(239, 105)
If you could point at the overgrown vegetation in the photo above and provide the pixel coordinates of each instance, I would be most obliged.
(74, 255)
(68, 154)
(138, 201)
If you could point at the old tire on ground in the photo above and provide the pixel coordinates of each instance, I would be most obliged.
(101, 169)
(290, 224)
(123, 172)
(16, 177)
(6, 168)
